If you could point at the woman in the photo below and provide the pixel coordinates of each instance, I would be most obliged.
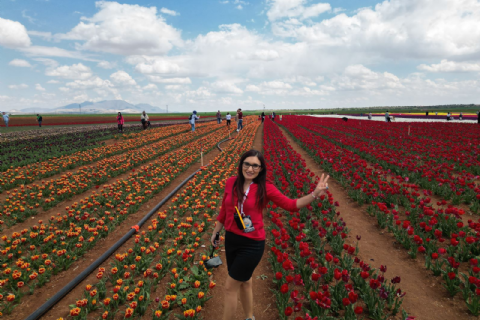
(249, 192)
(263, 117)
(192, 119)
(229, 119)
(120, 122)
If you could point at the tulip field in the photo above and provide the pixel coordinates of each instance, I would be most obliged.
(66, 198)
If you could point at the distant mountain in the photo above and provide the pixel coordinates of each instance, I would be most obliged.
(75, 105)
(105, 106)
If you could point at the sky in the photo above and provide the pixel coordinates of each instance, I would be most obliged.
(227, 54)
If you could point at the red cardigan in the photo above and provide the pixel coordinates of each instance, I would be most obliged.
(226, 215)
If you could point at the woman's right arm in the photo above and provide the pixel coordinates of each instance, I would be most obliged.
(218, 228)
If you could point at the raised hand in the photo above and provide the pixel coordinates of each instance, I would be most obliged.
(322, 185)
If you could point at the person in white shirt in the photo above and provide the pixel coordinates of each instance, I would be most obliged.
(228, 117)
(145, 120)
(192, 119)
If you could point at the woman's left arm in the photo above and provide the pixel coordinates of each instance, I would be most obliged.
(296, 204)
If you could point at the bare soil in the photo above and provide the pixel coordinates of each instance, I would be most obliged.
(426, 299)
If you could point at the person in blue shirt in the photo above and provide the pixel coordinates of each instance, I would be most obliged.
(6, 118)
(192, 119)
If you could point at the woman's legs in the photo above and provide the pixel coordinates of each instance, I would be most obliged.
(246, 298)
(232, 287)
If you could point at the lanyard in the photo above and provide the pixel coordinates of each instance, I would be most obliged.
(240, 204)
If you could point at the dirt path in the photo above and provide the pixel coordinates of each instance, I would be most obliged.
(41, 295)
(426, 298)
(263, 299)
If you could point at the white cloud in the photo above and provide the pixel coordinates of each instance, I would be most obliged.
(201, 93)
(294, 8)
(253, 88)
(276, 85)
(42, 51)
(53, 81)
(48, 62)
(92, 83)
(265, 55)
(106, 65)
(75, 71)
(4, 98)
(150, 86)
(397, 29)
(20, 63)
(169, 12)
(64, 89)
(174, 87)
(359, 77)
(39, 87)
(239, 7)
(126, 30)
(18, 86)
(158, 79)
(450, 66)
(160, 66)
(122, 78)
(41, 34)
(225, 87)
(13, 34)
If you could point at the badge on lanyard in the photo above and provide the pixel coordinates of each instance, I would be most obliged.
(245, 219)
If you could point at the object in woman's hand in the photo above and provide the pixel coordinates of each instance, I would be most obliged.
(215, 261)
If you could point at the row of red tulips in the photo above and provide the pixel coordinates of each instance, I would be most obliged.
(409, 215)
(318, 274)
(449, 169)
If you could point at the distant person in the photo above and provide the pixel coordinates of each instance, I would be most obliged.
(370, 116)
(240, 120)
(345, 119)
(426, 113)
(387, 117)
(6, 118)
(478, 117)
(460, 116)
(273, 116)
(120, 122)
(263, 117)
(436, 113)
(448, 116)
(39, 120)
(145, 120)
(228, 117)
(193, 118)
(219, 117)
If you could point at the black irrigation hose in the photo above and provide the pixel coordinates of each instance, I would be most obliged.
(218, 144)
(91, 268)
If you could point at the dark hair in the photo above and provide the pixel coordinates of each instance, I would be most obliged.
(260, 180)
